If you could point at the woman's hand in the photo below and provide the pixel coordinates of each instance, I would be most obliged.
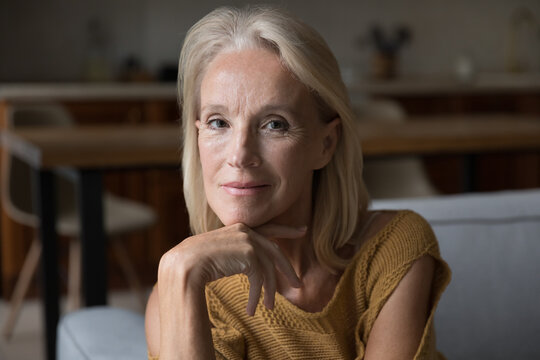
(177, 324)
(227, 251)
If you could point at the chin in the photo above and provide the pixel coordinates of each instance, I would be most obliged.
(249, 221)
(244, 216)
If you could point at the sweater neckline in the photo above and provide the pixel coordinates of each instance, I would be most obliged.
(282, 300)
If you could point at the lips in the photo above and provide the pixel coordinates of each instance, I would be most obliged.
(244, 188)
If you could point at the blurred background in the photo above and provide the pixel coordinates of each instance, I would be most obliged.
(114, 61)
(60, 40)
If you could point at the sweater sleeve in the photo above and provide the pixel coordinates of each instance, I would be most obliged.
(409, 238)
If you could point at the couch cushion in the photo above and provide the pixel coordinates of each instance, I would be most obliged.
(101, 333)
(492, 243)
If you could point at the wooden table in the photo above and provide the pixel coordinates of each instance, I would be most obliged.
(90, 150)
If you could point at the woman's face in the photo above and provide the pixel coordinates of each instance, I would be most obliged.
(260, 139)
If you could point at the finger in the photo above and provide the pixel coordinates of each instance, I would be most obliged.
(280, 260)
(281, 231)
(255, 285)
(269, 281)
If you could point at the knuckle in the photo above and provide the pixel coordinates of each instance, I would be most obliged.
(243, 228)
(246, 268)
(243, 236)
(240, 227)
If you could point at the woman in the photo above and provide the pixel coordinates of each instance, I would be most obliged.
(272, 181)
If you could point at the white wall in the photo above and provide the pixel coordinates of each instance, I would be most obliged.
(46, 40)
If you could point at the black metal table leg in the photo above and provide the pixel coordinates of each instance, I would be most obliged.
(94, 264)
(45, 207)
(469, 173)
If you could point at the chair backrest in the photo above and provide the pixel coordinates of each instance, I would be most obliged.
(388, 111)
(491, 241)
(38, 114)
(17, 175)
(397, 177)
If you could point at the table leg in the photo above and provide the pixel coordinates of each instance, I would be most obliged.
(469, 173)
(45, 207)
(94, 260)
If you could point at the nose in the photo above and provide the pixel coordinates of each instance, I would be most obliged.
(243, 149)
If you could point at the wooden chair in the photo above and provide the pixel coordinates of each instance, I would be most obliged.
(120, 215)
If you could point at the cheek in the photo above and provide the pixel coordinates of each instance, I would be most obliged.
(209, 167)
(292, 161)
(210, 153)
(298, 153)
(204, 153)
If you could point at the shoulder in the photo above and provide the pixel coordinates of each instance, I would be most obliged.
(398, 240)
(388, 229)
(405, 234)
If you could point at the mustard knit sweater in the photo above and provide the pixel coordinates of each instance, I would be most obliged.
(341, 329)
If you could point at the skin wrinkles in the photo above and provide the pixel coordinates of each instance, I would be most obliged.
(241, 95)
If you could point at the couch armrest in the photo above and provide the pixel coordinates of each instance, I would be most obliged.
(101, 333)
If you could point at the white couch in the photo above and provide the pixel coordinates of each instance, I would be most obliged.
(490, 310)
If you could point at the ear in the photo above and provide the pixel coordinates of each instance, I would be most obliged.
(331, 135)
(198, 124)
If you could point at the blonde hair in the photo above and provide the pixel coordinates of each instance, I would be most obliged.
(340, 198)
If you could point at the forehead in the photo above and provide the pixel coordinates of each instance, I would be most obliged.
(254, 76)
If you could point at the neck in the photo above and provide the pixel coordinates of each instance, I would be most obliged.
(299, 252)
(318, 283)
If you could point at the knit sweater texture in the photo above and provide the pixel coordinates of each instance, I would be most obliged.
(341, 330)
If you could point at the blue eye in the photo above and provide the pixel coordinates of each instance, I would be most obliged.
(216, 123)
(278, 125)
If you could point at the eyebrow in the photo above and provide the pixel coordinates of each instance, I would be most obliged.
(269, 108)
(214, 108)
